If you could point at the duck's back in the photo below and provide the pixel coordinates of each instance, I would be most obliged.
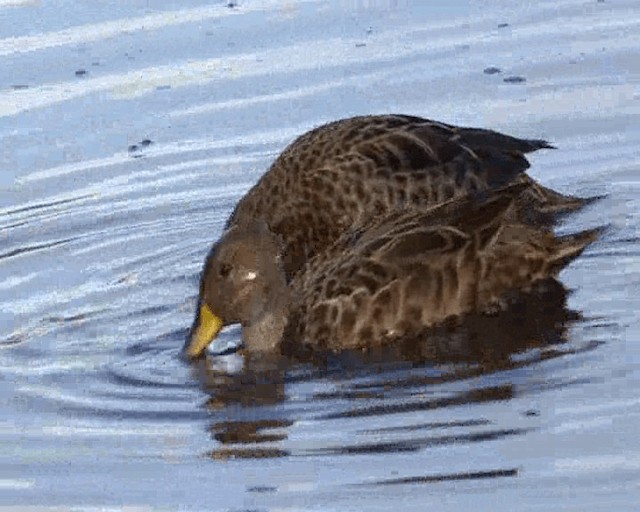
(344, 173)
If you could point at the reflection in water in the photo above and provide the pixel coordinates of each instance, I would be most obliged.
(418, 443)
(471, 475)
(395, 379)
(474, 396)
(261, 382)
(429, 426)
(248, 432)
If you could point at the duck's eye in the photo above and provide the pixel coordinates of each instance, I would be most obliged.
(225, 270)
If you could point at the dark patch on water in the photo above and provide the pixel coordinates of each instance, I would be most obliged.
(45, 205)
(514, 79)
(249, 432)
(63, 319)
(447, 477)
(132, 382)
(258, 453)
(349, 395)
(473, 396)
(161, 416)
(34, 248)
(262, 489)
(134, 148)
(14, 339)
(418, 443)
(7, 227)
(429, 426)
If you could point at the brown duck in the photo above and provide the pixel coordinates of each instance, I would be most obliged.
(391, 278)
(347, 172)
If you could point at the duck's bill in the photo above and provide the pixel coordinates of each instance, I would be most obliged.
(204, 331)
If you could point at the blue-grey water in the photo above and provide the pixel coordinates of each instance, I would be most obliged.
(128, 130)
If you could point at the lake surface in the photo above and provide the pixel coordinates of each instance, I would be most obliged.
(129, 130)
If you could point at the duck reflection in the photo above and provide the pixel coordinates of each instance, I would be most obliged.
(259, 382)
(533, 328)
(239, 433)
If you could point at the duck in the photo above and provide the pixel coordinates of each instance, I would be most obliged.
(344, 173)
(394, 276)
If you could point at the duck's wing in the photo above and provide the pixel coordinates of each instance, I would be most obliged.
(540, 205)
(342, 136)
(466, 213)
(372, 164)
(410, 274)
(344, 174)
(416, 270)
(497, 160)
(394, 147)
(349, 172)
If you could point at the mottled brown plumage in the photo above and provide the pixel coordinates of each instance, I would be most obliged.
(414, 270)
(347, 172)
(377, 227)
(393, 277)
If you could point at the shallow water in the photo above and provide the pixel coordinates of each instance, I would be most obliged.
(128, 134)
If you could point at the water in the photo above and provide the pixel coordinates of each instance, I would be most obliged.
(128, 134)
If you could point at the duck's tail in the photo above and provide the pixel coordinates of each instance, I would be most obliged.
(569, 247)
(543, 206)
(482, 138)
(555, 203)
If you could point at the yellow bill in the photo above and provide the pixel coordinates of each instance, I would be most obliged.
(204, 332)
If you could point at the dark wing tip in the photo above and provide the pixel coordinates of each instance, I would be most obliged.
(535, 144)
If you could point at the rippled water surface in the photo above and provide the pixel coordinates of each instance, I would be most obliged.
(128, 132)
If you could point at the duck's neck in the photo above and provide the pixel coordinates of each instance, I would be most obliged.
(264, 333)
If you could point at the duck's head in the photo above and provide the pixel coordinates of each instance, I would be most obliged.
(241, 279)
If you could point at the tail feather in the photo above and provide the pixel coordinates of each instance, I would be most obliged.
(553, 202)
(544, 206)
(478, 137)
(569, 247)
(568, 204)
